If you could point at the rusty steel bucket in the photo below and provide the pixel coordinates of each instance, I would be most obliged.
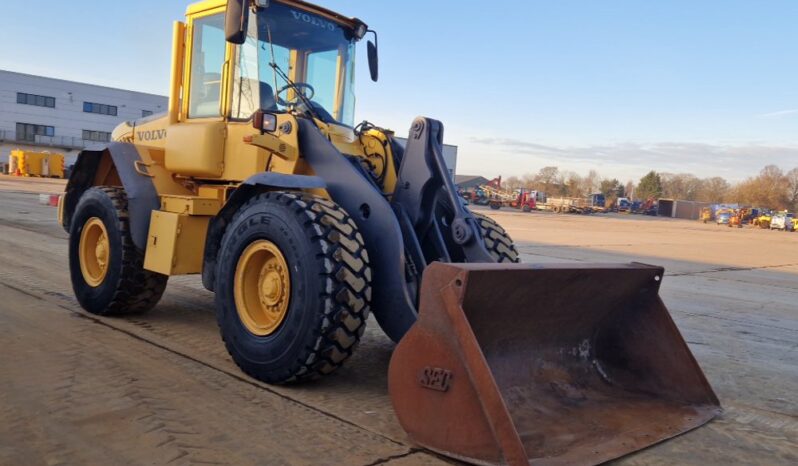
(545, 364)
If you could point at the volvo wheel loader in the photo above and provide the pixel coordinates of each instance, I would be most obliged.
(303, 224)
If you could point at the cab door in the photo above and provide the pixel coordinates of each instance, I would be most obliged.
(195, 145)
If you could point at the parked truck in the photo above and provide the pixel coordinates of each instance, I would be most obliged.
(623, 204)
(523, 200)
(783, 221)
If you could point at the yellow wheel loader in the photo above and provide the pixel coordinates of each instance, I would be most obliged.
(304, 223)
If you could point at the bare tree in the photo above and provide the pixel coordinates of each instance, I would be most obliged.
(571, 185)
(792, 188)
(514, 182)
(769, 189)
(531, 182)
(590, 183)
(681, 186)
(629, 189)
(714, 190)
(547, 177)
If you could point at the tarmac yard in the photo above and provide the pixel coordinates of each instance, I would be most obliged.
(160, 388)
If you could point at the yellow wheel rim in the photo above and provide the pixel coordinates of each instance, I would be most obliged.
(95, 252)
(262, 287)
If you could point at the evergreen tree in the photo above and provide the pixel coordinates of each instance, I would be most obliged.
(650, 186)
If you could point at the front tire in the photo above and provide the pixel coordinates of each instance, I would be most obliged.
(106, 268)
(303, 322)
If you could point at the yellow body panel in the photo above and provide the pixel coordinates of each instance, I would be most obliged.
(280, 150)
(243, 160)
(153, 165)
(190, 205)
(175, 243)
(196, 148)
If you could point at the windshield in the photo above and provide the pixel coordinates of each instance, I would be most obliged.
(317, 54)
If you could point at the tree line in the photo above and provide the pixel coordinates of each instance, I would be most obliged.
(772, 188)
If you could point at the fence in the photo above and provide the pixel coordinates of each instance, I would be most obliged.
(62, 142)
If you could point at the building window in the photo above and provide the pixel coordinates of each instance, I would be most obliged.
(28, 132)
(37, 100)
(96, 136)
(101, 109)
(145, 113)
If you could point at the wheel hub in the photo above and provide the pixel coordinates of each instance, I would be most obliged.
(101, 252)
(262, 288)
(94, 252)
(272, 287)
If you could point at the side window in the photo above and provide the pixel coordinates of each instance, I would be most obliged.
(246, 82)
(207, 60)
(321, 66)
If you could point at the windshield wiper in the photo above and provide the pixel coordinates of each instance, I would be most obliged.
(298, 92)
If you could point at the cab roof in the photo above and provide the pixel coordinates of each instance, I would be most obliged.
(302, 5)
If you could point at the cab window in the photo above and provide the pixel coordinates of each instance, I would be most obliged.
(207, 61)
(321, 67)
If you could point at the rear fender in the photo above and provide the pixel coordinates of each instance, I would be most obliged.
(114, 165)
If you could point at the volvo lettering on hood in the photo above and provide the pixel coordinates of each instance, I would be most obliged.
(153, 135)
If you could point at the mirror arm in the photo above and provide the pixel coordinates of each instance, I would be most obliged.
(376, 45)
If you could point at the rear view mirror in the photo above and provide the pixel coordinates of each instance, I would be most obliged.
(236, 20)
(374, 65)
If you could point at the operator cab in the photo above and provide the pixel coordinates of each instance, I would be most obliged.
(287, 59)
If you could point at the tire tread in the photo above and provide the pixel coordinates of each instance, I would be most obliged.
(497, 240)
(346, 293)
(137, 290)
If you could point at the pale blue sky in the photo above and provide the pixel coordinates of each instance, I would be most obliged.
(704, 87)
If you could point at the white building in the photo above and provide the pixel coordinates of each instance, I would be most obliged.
(39, 113)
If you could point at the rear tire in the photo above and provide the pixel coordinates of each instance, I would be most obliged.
(329, 292)
(497, 240)
(120, 285)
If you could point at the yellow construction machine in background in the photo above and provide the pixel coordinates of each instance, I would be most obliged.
(706, 214)
(39, 164)
(763, 221)
(303, 223)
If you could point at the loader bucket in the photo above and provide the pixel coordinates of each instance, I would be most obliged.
(545, 364)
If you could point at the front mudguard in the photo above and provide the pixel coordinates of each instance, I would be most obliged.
(249, 188)
(401, 236)
(394, 306)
